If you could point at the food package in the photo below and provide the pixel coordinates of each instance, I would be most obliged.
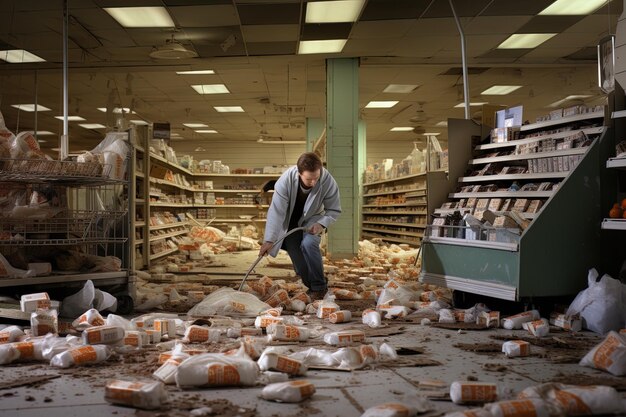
(90, 318)
(228, 302)
(146, 395)
(31, 302)
(371, 317)
(287, 332)
(345, 337)
(609, 355)
(390, 410)
(474, 412)
(43, 322)
(167, 327)
(53, 345)
(236, 332)
(103, 335)
(10, 334)
(515, 322)
(277, 298)
(571, 323)
(272, 361)
(21, 351)
(538, 328)
(327, 306)
(520, 408)
(136, 338)
(355, 357)
(200, 334)
(394, 312)
(288, 392)
(81, 355)
(166, 373)
(488, 318)
(514, 348)
(341, 316)
(217, 370)
(575, 400)
(467, 392)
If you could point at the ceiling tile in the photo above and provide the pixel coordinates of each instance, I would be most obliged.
(465, 8)
(505, 53)
(208, 50)
(548, 55)
(588, 53)
(549, 24)
(269, 14)
(395, 10)
(94, 19)
(325, 31)
(374, 46)
(614, 7)
(114, 37)
(204, 16)
(272, 48)
(195, 2)
(380, 29)
(270, 33)
(482, 25)
(432, 27)
(516, 8)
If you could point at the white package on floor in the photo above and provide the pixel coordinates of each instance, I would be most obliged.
(390, 410)
(538, 328)
(345, 337)
(609, 355)
(287, 332)
(601, 305)
(105, 335)
(167, 327)
(200, 334)
(262, 322)
(516, 321)
(288, 392)
(469, 392)
(80, 355)
(89, 318)
(579, 400)
(341, 316)
(31, 302)
(147, 320)
(446, 316)
(327, 306)
(10, 334)
(315, 357)
(21, 351)
(514, 348)
(43, 322)
(394, 312)
(147, 395)
(272, 361)
(474, 412)
(53, 345)
(227, 301)
(371, 317)
(522, 408)
(355, 357)
(88, 297)
(216, 370)
(119, 321)
(166, 373)
(235, 332)
(135, 338)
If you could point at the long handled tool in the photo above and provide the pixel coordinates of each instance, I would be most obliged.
(280, 239)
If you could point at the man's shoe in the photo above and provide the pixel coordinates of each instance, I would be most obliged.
(316, 295)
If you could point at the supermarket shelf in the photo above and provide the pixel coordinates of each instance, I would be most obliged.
(139, 148)
(206, 190)
(616, 162)
(392, 239)
(162, 254)
(198, 174)
(138, 242)
(140, 174)
(119, 277)
(443, 212)
(415, 213)
(393, 232)
(168, 226)
(559, 135)
(414, 225)
(140, 224)
(406, 177)
(535, 155)
(170, 205)
(236, 220)
(140, 201)
(511, 247)
(563, 120)
(410, 190)
(618, 114)
(614, 224)
(169, 183)
(503, 194)
(395, 205)
(514, 177)
(231, 205)
(170, 164)
(159, 237)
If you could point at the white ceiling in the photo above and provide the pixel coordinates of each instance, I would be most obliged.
(398, 41)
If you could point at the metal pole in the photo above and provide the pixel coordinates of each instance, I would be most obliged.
(36, 95)
(63, 149)
(464, 59)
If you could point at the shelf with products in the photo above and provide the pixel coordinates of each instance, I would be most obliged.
(614, 224)
(413, 225)
(154, 238)
(386, 237)
(163, 253)
(619, 163)
(535, 190)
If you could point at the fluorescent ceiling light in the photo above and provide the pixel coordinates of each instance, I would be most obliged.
(175, 134)
(206, 131)
(92, 125)
(333, 11)
(281, 142)
(400, 88)
(401, 129)
(573, 7)
(42, 141)
(569, 98)
(139, 122)
(525, 40)
(196, 72)
(44, 133)
(210, 88)
(478, 103)
(328, 46)
(116, 110)
(229, 109)
(19, 56)
(442, 123)
(71, 118)
(381, 104)
(141, 17)
(500, 90)
(30, 107)
(195, 125)
(431, 134)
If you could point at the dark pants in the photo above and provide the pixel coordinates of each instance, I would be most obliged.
(304, 251)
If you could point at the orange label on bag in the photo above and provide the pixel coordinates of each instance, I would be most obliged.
(287, 365)
(198, 334)
(306, 388)
(122, 391)
(43, 329)
(164, 357)
(400, 410)
(266, 321)
(94, 336)
(84, 354)
(572, 404)
(44, 304)
(26, 349)
(326, 311)
(478, 393)
(239, 307)
(524, 347)
(250, 332)
(367, 352)
(292, 332)
(518, 408)
(219, 374)
(131, 340)
(602, 357)
(337, 317)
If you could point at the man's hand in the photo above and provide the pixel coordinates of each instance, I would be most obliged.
(316, 229)
(265, 248)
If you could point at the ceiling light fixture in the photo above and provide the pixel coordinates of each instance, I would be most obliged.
(195, 125)
(71, 118)
(401, 129)
(569, 98)
(92, 125)
(573, 7)
(431, 133)
(229, 109)
(29, 107)
(210, 89)
(281, 142)
(206, 131)
(141, 17)
(116, 110)
(500, 90)
(443, 123)
(478, 103)
(381, 104)
(400, 88)
(196, 72)
(44, 133)
(172, 49)
(139, 122)
(19, 56)
(328, 46)
(525, 40)
(337, 11)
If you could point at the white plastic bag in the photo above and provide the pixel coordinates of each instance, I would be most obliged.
(228, 302)
(522, 408)
(43, 322)
(468, 392)
(609, 355)
(601, 305)
(200, 334)
(53, 345)
(89, 318)
(577, 400)
(288, 392)
(390, 410)
(10, 334)
(80, 355)
(272, 361)
(88, 297)
(147, 395)
(216, 370)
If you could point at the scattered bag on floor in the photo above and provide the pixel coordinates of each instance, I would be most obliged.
(371, 317)
(272, 361)
(53, 345)
(287, 332)
(228, 302)
(515, 322)
(390, 410)
(327, 306)
(345, 337)
(89, 318)
(574, 400)
(609, 355)
(601, 305)
(474, 412)
(217, 370)
(146, 395)
(103, 335)
(81, 355)
(10, 334)
(522, 408)
(288, 392)
(43, 322)
(515, 348)
(468, 392)
(200, 334)
(538, 328)
(21, 351)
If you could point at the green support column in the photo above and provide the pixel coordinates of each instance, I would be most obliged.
(314, 128)
(345, 152)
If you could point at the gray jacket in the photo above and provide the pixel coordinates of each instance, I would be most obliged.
(322, 206)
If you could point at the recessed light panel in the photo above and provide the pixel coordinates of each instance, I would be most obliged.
(401, 129)
(195, 125)
(333, 11)
(116, 110)
(92, 125)
(71, 118)
(206, 131)
(44, 133)
(30, 107)
(139, 122)
(431, 134)
(573, 7)
(210, 88)
(500, 90)
(229, 109)
(478, 103)
(329, 46)
(19, 56)
(196, 72)
(400, 88)
(381, 104)
(141, 17)
(442, 123)
(525, 40)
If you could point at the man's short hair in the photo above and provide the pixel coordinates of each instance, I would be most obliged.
(309, 161)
